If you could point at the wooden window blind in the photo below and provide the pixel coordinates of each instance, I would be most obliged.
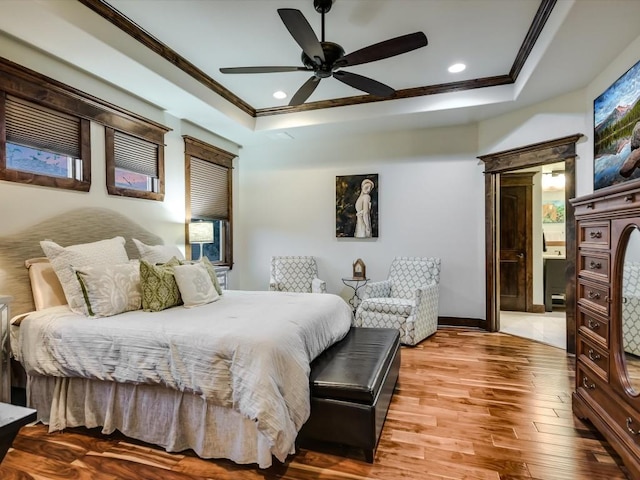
(135, 154)
(209, 190)
(39, 127)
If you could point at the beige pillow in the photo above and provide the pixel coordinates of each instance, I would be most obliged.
(45, 286)
(157, 253)
(64, 259)
(111, 289)
(196, 287)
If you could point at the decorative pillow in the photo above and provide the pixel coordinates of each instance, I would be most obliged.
(196, 287)
(157, 253)
(212, 274)
(64, 259)
(111, 289)
(159, 287)
(45, 286)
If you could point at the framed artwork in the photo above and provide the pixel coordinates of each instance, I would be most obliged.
(357, 206)
(553, 211)
(616, 135)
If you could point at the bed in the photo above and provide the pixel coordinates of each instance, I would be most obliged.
(227, 379)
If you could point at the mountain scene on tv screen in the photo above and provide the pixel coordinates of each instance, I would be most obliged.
(28, 159)
(617, 130)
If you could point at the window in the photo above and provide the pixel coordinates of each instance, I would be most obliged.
(135, 166)
(43, 146)
(208, 189)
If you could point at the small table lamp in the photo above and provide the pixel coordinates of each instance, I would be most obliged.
(201, 233)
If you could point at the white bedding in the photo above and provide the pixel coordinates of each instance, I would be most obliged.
(249, 351)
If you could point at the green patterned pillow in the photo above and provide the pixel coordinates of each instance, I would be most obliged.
(159, 288)
(212, 273)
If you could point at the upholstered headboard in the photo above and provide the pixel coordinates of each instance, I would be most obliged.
(81, 225)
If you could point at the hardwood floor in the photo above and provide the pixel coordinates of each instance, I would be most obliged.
(468, 405)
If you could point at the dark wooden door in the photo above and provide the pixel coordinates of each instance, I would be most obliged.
(515, 240)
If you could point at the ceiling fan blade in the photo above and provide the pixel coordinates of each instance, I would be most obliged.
(365, 84)
(262, 69)
(304, 91)
(302, 33)
(388, 48)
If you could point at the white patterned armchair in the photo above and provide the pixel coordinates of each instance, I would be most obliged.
(631, 308)
(407, 300)
(295, 274)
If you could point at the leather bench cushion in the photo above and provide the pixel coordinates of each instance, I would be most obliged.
(354, 368)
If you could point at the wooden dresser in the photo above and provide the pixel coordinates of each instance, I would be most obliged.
(607, 367)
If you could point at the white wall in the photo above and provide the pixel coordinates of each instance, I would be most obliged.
(430, 204)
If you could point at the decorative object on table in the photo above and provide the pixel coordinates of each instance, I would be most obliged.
(357, 206)
(295, 274)
(200, 233)
(359, 269)
(407, 299)
(616, 144)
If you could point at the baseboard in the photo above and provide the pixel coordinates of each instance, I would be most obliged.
(537, 309)
(462, 322)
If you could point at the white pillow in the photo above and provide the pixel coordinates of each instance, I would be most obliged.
(157, 253)
(111, 289)
(64, 259)
(194, 282)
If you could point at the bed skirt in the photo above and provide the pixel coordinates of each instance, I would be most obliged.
(173, 420)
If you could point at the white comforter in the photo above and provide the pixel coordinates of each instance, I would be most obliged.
(249, 351)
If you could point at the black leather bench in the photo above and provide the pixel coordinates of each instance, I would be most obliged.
(352, 383)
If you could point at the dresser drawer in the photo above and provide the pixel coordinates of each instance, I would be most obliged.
(593, 295)
(622, 418)
(593, 235)
(595, 357)
(594, 265)
(593, 326)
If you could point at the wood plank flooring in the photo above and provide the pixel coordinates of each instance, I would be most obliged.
(468, 405)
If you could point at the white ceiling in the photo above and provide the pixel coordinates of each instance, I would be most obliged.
(578, 41)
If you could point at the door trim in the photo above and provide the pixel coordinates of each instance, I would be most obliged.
(552, 151)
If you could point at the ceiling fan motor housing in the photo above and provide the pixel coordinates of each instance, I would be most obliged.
(332, 52)
(322, 6)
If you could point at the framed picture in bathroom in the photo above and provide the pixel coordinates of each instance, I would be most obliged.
(553, 211)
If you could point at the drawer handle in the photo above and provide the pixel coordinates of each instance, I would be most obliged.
(629, 423)
(593, 295)
(593, 325)
(590, 205)
(593, 356)
(595, 265)
(587, 385)
(628, 198)
(597, 234)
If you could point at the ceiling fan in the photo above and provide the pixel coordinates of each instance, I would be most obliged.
(326, 59)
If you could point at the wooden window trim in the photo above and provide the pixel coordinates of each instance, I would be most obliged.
(204, 151)
(111, 171)
(24, 83)
(31, 178)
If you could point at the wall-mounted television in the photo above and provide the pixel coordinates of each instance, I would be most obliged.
(616, 131)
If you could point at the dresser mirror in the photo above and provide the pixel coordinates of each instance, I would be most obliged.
(631, 309)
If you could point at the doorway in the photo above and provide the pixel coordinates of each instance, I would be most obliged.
(496, 165)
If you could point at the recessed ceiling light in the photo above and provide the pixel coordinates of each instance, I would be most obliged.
(457, 68)
(279, 95)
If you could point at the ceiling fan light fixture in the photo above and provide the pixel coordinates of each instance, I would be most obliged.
(279, 95)
(457, 68)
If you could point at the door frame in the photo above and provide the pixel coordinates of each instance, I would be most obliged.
(552, 151)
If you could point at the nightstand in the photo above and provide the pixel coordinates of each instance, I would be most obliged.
(5, 349)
